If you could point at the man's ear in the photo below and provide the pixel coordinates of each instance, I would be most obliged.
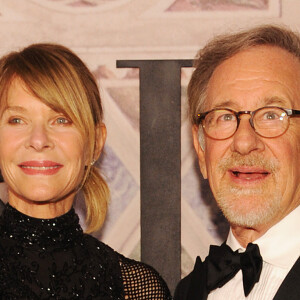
(199, 145)
(100, 138)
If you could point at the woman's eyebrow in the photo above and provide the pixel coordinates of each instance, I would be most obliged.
(15, 108)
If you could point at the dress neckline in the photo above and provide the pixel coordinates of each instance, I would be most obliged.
(38, 233)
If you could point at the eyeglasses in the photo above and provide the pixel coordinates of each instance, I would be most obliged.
(269, 121)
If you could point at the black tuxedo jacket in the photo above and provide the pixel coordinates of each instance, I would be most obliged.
(193, 287)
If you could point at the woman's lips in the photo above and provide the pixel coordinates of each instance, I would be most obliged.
(45, 167)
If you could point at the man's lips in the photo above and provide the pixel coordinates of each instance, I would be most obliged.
(249, 173)
(45, 167)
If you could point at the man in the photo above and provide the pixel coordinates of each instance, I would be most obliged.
(244, 98)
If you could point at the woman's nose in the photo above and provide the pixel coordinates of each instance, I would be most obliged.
(39, 138)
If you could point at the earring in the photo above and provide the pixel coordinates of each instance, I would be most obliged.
(93, 162)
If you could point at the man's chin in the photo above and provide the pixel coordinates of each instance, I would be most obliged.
(250, 211)
(247, 220)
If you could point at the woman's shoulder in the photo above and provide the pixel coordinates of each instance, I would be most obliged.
(95, 245)
(142, 281)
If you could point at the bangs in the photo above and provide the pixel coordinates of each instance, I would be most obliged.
(56, 76)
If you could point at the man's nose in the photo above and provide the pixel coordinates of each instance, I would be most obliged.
(39, 138)
(245, 139)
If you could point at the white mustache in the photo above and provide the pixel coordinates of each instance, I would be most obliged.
(271, 164)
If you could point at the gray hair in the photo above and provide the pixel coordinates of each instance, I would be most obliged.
(225, 46)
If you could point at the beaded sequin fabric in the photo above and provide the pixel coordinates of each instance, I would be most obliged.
(1, 207)
(54, 259)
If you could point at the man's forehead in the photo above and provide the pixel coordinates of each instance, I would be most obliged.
(252, 74)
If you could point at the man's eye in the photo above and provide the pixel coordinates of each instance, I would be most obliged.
(227, 117)
(271, 116)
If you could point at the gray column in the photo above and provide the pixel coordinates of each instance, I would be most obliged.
(160, 159)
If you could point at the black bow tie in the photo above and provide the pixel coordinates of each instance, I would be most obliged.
(222, 264)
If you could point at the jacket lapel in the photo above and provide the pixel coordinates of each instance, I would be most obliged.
(290, 287)
(197, 289)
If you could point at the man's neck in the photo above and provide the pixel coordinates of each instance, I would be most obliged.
(247, 235)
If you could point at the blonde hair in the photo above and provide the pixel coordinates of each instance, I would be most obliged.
(60, 79)
(225, 46)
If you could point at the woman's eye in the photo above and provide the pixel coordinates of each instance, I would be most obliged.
(15, 121)
(63, 120)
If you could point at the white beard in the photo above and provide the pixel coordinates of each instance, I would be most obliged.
(247, 214)
(250, 206)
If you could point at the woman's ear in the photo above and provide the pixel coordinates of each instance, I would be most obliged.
(100, 138)
(199, 145)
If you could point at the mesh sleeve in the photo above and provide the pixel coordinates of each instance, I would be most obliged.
(142, 281)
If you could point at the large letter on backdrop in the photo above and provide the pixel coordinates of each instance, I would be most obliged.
(160, 115)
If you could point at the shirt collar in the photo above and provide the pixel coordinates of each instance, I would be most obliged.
(280, 245)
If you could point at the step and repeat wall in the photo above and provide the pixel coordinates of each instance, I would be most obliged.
(134, 32)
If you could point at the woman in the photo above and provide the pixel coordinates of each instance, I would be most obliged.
(1, 206)
(51, 133)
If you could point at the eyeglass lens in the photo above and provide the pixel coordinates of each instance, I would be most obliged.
(266, 121)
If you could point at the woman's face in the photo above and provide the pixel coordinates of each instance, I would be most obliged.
(42, 154)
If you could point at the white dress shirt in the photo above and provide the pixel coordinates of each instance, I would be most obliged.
(279, 248)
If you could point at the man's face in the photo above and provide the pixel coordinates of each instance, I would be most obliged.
(255, 180)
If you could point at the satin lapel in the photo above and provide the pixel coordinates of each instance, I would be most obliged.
(197, 289)
(290, 287)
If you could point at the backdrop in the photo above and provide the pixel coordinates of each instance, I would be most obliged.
(135, 32)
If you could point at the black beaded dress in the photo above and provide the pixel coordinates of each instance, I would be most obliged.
(54, 259)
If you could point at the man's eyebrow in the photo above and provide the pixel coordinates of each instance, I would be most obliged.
(225, 104)
(275, 100)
